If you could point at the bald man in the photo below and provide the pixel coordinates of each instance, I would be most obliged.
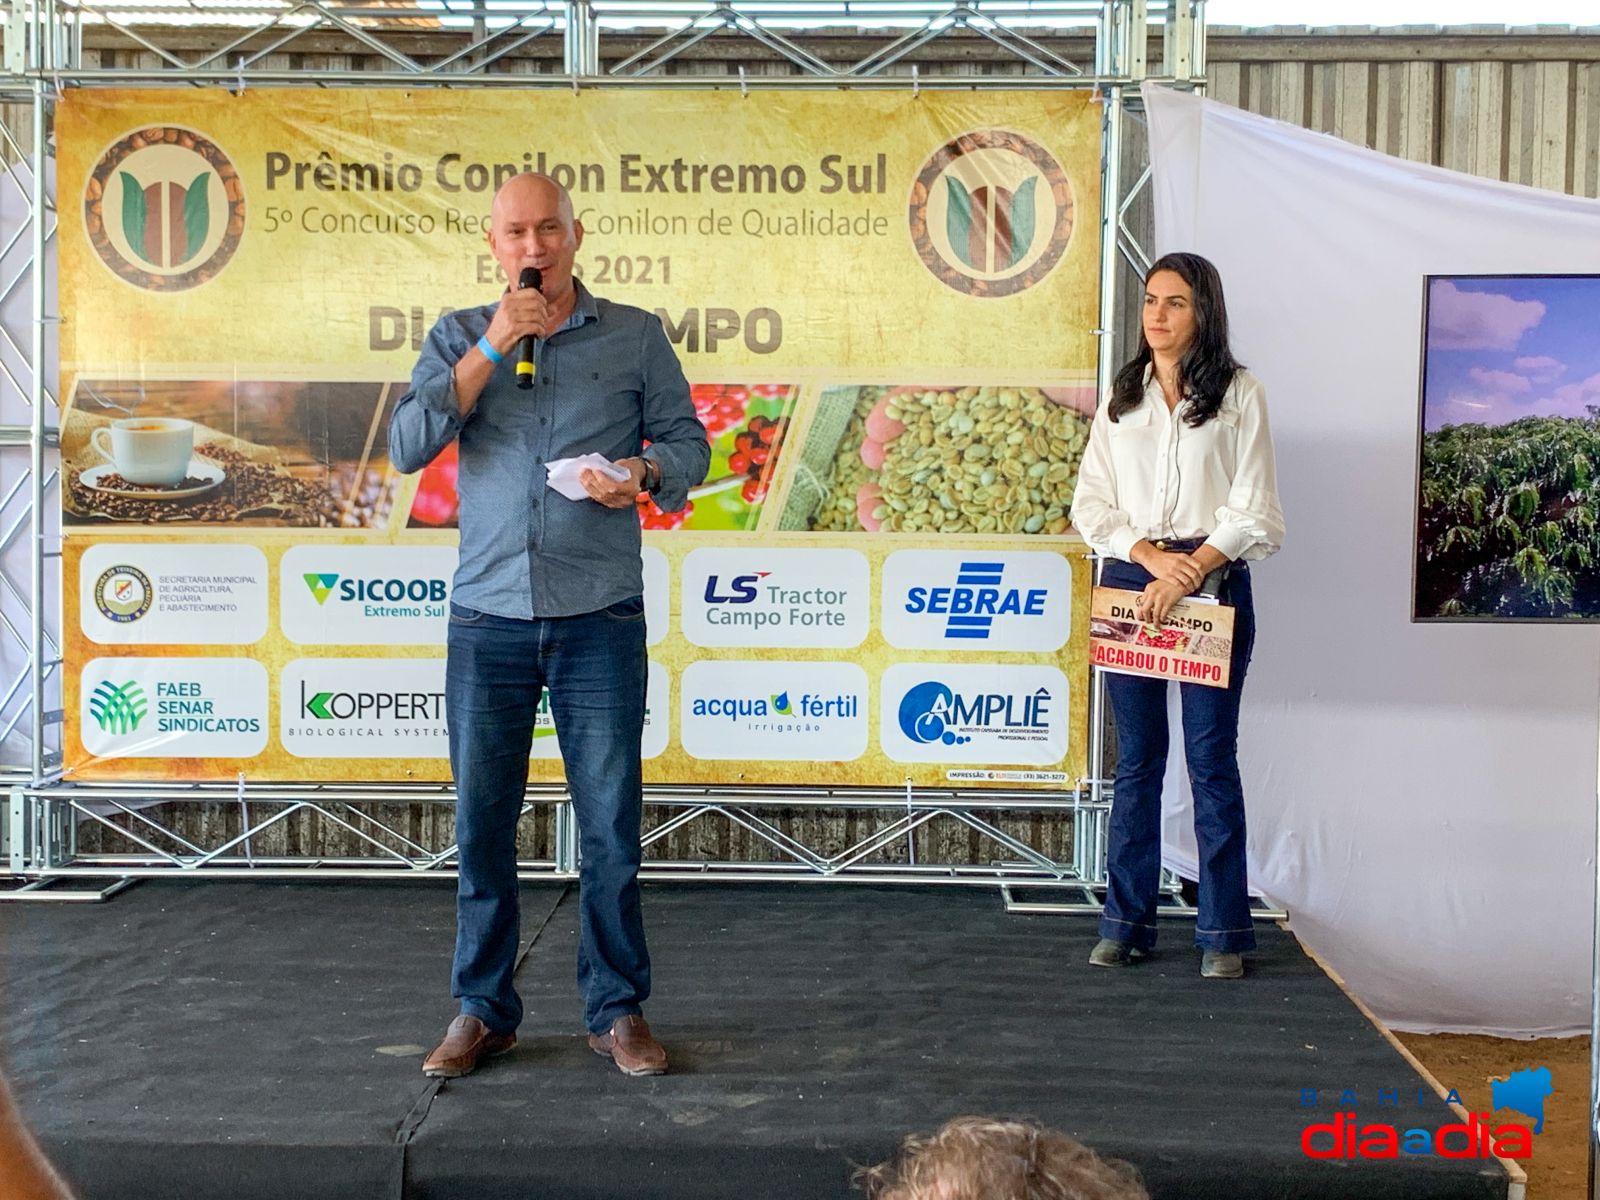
(548, 595)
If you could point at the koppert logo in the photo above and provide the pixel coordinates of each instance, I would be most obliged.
(118, 708)
(317, 706)
(374, 705)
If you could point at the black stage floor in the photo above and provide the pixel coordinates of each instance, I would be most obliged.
(220, 1039)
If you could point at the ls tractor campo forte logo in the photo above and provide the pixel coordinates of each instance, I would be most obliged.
(164, 208)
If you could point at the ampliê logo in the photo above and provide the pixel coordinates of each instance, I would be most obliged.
(989, 714)
(932, 712)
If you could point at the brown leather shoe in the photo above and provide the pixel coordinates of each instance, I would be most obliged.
(631, 1046)
(466, 1043)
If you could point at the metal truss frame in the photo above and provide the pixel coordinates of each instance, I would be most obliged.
(25, 700)
(44, 834)
(45, 52)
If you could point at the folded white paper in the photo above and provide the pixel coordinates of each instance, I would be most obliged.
(563, 473)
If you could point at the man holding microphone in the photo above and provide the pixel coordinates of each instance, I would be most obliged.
(548, 595)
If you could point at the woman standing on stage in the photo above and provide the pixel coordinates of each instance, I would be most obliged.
(1178, 483)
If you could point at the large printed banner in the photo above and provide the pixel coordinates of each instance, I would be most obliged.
(884, 303)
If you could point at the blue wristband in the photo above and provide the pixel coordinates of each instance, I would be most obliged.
(486, 348)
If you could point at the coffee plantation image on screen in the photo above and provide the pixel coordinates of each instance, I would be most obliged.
(1508, 491)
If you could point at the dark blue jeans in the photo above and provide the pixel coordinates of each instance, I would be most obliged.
(1211, 747)
(594, 666)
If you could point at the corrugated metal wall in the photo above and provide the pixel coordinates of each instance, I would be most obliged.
(1521, 106)
(1514, 117)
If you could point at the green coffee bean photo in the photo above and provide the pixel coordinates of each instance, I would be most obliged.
(997, 459)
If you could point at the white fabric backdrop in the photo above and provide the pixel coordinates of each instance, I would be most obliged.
(1421, 797)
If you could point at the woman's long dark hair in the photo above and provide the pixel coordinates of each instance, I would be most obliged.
(1207, 366)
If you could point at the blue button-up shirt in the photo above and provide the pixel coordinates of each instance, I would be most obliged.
(604, 382)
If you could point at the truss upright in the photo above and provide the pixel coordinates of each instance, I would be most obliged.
(52, 45)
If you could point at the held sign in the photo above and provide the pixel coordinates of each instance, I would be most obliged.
(1193, 645)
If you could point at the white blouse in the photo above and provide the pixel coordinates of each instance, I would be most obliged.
(1152, 476)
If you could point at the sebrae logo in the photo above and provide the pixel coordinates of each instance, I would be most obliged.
(976, 600)
(164, 208)
(991, 213)
(321, 586)
(118, 709)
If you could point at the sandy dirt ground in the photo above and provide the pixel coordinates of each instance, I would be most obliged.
(1560, 1161)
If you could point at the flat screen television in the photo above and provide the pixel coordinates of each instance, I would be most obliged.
(1508, 460)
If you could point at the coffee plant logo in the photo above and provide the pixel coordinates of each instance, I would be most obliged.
(991, 213)
(118, 709)
(123, 594)
(164, 208)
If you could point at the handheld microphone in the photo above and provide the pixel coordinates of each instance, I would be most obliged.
(530, 278)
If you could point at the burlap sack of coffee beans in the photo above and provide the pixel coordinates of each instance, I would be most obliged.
(255, 486)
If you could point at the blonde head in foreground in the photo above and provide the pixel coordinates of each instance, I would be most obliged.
(979, 1158)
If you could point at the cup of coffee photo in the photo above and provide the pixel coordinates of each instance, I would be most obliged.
(153, 451)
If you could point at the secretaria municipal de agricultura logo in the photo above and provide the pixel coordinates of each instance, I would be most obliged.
(123, 594)
(164, 208)
(991, 213)
(118, 708)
